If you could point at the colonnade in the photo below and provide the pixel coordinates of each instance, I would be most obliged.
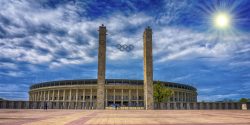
(112, 96)
(123, 97)
(184, 96)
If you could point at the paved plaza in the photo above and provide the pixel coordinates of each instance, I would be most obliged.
(124, 117)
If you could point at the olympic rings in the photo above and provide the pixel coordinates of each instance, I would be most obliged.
(125, 47)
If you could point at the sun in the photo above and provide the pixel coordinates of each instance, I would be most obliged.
(222, 20)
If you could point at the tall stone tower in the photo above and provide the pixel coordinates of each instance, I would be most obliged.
(101, 67)
(148, 69)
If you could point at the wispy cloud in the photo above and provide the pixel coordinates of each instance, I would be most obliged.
(219, 97)
(12, 73)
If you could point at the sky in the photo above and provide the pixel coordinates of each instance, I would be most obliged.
(50, 40)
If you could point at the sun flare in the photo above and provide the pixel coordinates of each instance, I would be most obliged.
(222, 20)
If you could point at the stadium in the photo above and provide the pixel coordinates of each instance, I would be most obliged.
(117, 91)
(101, 92)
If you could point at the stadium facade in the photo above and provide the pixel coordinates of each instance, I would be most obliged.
(117, 91)
(102, 92)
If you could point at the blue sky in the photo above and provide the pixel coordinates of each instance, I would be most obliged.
(57, 39)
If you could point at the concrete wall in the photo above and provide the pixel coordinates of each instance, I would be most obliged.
(89, 105)
(200, 106)
(50, 105)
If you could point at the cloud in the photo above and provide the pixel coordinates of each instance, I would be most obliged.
(240, 63)
(13, 91)
(38, 35)
(179, 44)
(62, 36)
(59, 36)
(220, 97)
(185, 77)
(12, 73)
(7, 65)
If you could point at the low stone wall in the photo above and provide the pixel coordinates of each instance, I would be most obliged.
(86, 105)
(40, 105)
(200, 106)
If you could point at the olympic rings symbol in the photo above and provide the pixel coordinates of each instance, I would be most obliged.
(125, 47)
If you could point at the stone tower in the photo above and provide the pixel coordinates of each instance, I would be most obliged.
(148, 69)
(101, 67)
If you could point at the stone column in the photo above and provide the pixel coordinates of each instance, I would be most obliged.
(189, 97)
(91, 95)
(106, 94)
(188, 105)
(58, 95)
(181, 96)
(129, 97)
(41, 96)
(70, 92)
(37, 99)
(38, 96)
(101, 67)
(34, 96)
(44, 96)
(122, 98)
(83, 94)
(114, 96)
(185, 94)
(148, 69)
(137, 97)
(168, 105)
(31, 97)
(48, 95)
(214, 105)
(83, 99)
(178, 97)
(220, 106)
(226, 105)
(64, 95)
(53, 95)
(175, 106)
(195, 105)
(76, 95)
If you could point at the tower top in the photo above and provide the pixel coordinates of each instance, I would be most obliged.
(148, 28)
(102, 25)
(102, 28)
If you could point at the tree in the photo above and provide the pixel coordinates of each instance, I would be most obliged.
(161, 93)
(244, 100)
